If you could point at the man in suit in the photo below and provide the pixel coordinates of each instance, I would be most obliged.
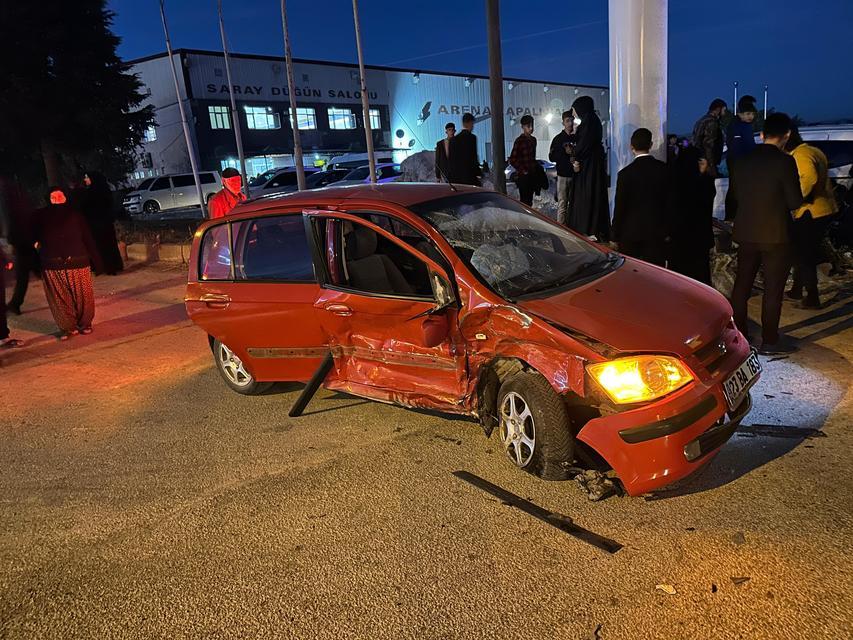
(639, 218)
(763, 192)
(464, 163)
(442, 153)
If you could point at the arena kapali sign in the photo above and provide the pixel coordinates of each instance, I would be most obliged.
(306, 92)
(476, 110)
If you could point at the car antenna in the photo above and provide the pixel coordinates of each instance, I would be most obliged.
(443, 175)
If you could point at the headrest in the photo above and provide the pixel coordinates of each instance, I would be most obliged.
(361, 243)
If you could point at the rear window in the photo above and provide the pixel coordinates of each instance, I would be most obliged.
(272, 248)
(215, 260)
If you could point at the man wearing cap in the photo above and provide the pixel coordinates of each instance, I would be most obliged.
(740, 136)
(228, 197)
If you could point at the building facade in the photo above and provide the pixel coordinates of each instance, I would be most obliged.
(408, 110)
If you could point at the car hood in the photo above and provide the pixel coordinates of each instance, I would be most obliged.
(131, 194)
(639, 307)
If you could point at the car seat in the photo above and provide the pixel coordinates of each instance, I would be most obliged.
(371, 271)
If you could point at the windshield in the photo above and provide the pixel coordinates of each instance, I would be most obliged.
(358, 174)
(144, 184)
(514, 251)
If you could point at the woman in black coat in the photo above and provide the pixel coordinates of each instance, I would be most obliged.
(692, 213)
(589, 209)
(96, 203)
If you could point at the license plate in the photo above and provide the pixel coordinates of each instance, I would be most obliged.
(737, 384)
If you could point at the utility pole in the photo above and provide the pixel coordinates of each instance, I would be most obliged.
(734, 104)
(765, 102)
(291, 101)
(365, 105)
(496, 89)
(190, 146)
(235, 117)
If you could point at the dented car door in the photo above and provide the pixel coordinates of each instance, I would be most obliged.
(389, 314)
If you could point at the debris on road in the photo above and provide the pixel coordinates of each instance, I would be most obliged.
(739, 580)
(739, 538)
(713, 588)
(666, 588)
(596, 485)
(778, 431)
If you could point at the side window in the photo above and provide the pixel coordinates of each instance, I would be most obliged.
(272, 248)
(160, 184)
(286, 179)
(373, 264)
(183, 181)
(207, 178)
(215, 254)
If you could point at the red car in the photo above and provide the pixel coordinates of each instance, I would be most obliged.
(468, 302)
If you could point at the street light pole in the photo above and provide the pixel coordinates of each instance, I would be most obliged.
(291, 101)
(365, 105)
(235, 117)
(496, 91)
(190, 146)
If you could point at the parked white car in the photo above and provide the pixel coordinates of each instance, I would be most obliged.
(836, 141)
(171, 192)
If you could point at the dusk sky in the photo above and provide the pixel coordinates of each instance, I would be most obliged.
(800, 49)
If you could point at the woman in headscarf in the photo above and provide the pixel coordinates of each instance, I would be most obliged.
(589, 209)
(68, 254)
(96, 203)
(692, 212)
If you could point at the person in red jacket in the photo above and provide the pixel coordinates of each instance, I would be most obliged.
(229, 196)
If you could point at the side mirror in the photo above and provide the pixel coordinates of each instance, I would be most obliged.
(442, 292)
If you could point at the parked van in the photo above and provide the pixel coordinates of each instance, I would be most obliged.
(462, 300)
(171, 192)
(355, 160)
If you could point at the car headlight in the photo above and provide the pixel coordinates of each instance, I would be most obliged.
(640, 378)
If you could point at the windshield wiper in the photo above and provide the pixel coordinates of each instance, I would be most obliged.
(586, 269)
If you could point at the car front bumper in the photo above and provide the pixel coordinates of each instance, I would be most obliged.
(656, 445)
(133, 207)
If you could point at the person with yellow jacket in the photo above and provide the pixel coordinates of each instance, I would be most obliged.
(811, 219)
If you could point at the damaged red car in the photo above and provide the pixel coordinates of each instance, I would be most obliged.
(465, 301)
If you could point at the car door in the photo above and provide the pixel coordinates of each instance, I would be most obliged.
(184, 193)
(160, 193)
(253, 288)
(394, 337)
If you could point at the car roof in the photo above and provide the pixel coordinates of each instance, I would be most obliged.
(401, 193)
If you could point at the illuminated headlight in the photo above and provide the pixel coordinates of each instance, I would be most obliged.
(640, 378)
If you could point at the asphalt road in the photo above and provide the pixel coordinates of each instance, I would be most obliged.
(139, 498)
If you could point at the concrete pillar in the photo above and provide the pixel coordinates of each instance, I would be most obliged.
(638, 50)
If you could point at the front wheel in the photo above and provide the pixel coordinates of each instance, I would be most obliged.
(234, 373)
(151, 206)
(534, 426)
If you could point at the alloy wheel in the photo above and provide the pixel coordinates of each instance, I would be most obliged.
(233, 367)
(518, 433)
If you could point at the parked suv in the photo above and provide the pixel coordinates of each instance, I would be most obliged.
(462, 300)
(171, 192)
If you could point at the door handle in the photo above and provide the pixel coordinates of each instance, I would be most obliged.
(339, 309)
(215, 300)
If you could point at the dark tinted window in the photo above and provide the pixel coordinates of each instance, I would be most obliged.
(838, 152)
(287, 179)
(215, 254)
(145, 184)
(160, 184)
(272, 248)
(389, 172)
(183, 181)
(207, 178)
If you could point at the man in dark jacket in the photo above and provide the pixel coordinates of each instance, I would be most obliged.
(464, 163)
(763, 192)
(708, 135)
(562, 154)
(20, 216)
(523, 160)
(442, 153)
(740, 138)
(639, 217)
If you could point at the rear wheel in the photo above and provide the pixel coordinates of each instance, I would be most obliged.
(151, 206)
(534, 426)
(234, 373)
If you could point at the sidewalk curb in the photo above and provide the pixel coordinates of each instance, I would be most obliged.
(156, 252)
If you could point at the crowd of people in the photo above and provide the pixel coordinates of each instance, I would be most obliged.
(64, 243)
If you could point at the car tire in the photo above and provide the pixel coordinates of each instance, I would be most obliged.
(151, 206)
(534, 426)
(233, 372)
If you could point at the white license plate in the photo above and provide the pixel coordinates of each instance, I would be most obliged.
(737, 384)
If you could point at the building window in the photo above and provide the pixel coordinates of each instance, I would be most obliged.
(150, 134)
(375, 121)
(219, 117)
(262, 118)
(341, 118)
(306, 118)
